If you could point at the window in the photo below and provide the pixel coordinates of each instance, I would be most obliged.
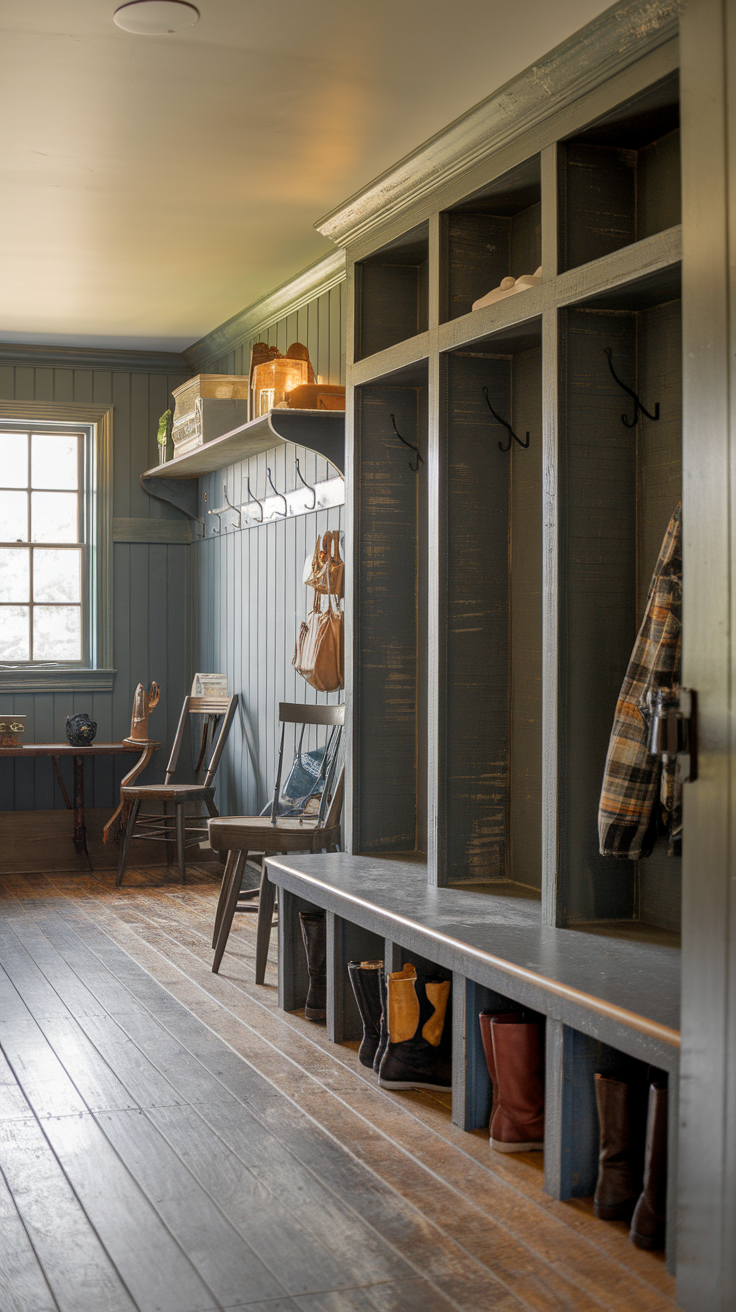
(55, 547)
(44, 574)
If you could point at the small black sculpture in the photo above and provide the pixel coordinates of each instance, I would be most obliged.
(80, 730)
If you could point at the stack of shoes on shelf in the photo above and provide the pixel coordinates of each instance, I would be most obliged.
(514, 1056)
(315, 945)
(405, 1039)
(623, 1192)
(509, 287)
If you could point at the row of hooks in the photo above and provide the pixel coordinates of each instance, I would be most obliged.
(639, 407)
(324, 495)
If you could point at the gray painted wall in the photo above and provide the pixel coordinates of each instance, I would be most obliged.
(248, 596)
(150, 592)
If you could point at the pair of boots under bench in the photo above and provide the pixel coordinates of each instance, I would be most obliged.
(514, 1056)
(623, 1192)
(403, 1015)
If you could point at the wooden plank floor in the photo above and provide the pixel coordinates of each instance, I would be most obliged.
(171, 1142)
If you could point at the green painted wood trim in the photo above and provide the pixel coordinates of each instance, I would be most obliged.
(74, 357)
(256, 318)
(592, 55)
(58, 678)
(151, 530)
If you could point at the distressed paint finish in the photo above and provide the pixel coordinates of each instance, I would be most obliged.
(150, 582)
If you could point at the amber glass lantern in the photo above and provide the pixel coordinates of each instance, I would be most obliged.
(273, 381)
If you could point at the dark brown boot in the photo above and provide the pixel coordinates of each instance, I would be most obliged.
(365, 977)
(517, 1121)
(648, 1222)
(315, 946)
(615, 1191)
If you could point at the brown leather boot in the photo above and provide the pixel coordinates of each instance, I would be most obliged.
(485, 1018)
(648, 1222)
(517, 1120)
(615, 1191)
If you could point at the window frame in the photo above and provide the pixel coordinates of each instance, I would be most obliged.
(95, 672)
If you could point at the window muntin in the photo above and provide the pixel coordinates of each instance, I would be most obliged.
(44, 571)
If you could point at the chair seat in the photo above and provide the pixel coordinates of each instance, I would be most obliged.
(255, 833)
(169, 792)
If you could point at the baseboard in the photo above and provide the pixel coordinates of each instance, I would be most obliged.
(40, 841)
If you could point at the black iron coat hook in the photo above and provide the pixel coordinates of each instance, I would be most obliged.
(511, 433)
(630, 423)
(420, 458)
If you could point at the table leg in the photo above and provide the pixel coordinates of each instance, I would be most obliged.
(80, 831)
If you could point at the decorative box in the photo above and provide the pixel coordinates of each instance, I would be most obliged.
(207, 406)
(12, 730)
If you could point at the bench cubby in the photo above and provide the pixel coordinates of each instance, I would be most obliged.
(389, 746)
(619, 179)
(490, 826)
(619, 488)
(490, 236)
(391, 290)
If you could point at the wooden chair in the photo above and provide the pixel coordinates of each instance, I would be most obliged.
(175, 828)
(240, 836)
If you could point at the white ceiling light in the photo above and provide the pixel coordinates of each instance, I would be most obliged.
(155, 17)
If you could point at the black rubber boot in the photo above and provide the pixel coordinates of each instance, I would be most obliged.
(364, 977)
(315, 945)
(383, 1028)
(417, 1010)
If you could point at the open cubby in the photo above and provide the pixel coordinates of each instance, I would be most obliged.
(619, 487)
(391, 614)
(619, 180)
(491, 819)
(491, 235)
(391, 291)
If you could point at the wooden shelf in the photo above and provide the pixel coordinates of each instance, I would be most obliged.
(320, 430)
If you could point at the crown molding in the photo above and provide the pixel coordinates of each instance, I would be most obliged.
(588, 58)
(81, 357)
(290, 296)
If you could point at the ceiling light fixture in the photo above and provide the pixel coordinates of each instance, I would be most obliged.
(156, 17)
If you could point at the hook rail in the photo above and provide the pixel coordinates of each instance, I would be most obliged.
(412, 447)
(512, 435)
(630, 423)
(283, 513)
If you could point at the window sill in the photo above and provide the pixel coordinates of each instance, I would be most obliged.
(54, 678)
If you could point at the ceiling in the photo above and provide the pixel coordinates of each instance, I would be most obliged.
(154, 186)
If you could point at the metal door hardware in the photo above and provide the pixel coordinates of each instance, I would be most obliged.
(674, 729)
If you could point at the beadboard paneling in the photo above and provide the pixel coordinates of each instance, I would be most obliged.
(249, 599)
(150, 593)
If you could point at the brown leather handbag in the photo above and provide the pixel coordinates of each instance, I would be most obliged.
(328, 568)
(319, 655)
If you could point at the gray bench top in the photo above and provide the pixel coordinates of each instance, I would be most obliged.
(619, 989)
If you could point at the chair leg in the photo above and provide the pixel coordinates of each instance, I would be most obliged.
(265, 917)
(180, 839)
(228, 911)
(167, 831)
(125, 845)
(210, 804)
(232, 859)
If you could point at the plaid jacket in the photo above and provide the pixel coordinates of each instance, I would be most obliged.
(627, 815)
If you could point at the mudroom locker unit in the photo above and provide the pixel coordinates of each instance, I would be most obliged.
(505, 514)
